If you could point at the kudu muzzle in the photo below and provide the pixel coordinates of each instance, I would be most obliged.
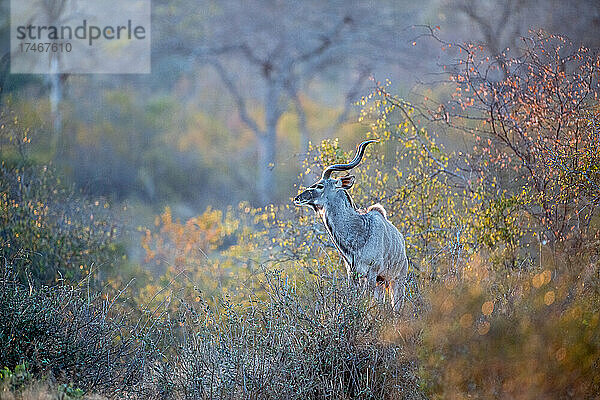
(303, 198)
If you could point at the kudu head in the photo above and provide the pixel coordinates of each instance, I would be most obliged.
(325, 190)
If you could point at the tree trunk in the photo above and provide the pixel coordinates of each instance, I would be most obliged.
(267, 153)
(267, 146)
(56, 94)
(302, 127)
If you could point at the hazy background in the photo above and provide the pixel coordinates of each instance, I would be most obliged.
(239, 88)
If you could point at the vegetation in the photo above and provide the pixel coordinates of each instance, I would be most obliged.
(493, 177)
(70, 335)
(48, 232)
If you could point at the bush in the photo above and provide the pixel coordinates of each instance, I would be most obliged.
(316, 340)
(66, 334)
(538, 133)
(14, 379)
(536, 335)
(19, 384)
(47, 232)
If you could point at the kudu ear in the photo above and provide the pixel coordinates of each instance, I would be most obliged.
(346, 182)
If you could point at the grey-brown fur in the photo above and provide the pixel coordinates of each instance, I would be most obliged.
(372, 248)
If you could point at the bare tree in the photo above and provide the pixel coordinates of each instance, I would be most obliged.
(266, 53)
(4, 47)
(499, 25)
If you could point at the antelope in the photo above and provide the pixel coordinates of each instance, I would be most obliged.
(372, 248)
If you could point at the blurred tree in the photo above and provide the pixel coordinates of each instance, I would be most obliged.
(9, 82)
(267, 52)
(499, 26)
(498, 23)
(136, 139)
(54, 81)
(54, 12)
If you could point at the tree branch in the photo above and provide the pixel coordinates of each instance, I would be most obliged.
(326, 42)
(351, 95)
(237, 97)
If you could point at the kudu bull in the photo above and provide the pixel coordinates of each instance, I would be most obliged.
(372, 248)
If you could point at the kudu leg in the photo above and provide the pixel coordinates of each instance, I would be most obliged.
(379, 292)
(397, 290)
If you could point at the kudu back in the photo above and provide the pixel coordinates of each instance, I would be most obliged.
(372, 248)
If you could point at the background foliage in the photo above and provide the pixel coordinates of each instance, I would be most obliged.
(139, 257)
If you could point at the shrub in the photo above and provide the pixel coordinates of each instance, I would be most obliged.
(536, 335)
(14, 379)
(537, 135)
(306, 341)
(47, 232)
(71, 336)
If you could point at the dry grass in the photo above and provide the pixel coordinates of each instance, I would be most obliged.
(532, 334)
(42, 391)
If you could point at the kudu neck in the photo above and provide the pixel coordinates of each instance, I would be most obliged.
(340, 206)
(341, 219)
